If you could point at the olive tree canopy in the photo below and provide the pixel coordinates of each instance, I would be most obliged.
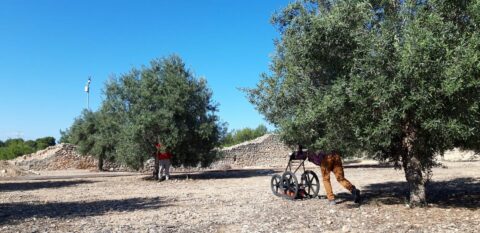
(399, 80)
(160, 103)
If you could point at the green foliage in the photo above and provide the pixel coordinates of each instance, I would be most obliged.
(42, 143)
(238, 136)
(13, 148)
(397, 79)
(65, 136)
(350, 77)
(161, 103)
(32, 144)
(314, 53)
(95, 134)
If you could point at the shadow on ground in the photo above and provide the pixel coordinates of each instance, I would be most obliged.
(10, 212)
(227, 174)
(383, 165)
(459, 192)
(25, 186)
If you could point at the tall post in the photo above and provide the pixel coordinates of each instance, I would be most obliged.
(87, 89)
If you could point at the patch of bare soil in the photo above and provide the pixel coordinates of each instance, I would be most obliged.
(240, 201)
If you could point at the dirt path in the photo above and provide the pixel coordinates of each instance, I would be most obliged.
(238, 201)
(67, 174)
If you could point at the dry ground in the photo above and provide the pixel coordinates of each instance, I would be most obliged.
(236, 201)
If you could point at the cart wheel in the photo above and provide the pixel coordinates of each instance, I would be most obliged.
(312, 185)
(289, 185)
(275, 185)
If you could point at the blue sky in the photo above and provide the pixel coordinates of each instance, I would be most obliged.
(49, 48)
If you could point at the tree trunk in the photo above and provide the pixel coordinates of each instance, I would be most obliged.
(100, 163)
(156, 168)
(416, 182)
(413, 168)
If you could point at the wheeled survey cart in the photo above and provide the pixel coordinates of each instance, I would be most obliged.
(287, 185)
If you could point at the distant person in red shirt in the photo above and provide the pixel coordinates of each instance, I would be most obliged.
(164, 162)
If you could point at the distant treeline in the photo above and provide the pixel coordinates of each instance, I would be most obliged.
(12, 148)
(238, 136)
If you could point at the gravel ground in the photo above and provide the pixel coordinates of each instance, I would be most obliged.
(238, 201)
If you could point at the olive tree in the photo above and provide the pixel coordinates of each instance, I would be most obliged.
(163, 103)
(96, 134)
(397, 79)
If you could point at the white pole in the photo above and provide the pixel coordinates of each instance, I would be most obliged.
(87, 89)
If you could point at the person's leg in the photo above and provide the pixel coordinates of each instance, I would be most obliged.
(325, 167)
(339, 174)
(162, 169)
(327, 184)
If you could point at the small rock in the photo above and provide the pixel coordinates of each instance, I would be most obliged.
(345, 229)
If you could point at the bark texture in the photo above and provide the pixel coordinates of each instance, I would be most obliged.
(100, 164)
(413, 168)
(156, 168)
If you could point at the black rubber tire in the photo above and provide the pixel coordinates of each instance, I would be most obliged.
(275, 185)
(289, 185)
(311, 183)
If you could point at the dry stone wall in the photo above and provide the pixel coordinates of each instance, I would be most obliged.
(42, 159)
(8, 169)
(459, 155)
(60, 157)
(270, 151)
(265, 151)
